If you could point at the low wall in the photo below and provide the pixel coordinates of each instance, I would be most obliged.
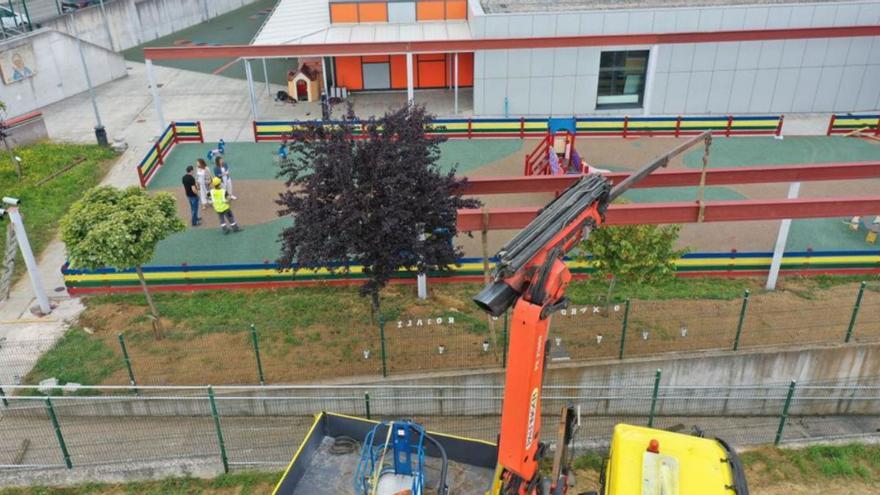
(58, 71)
(134, 22)
(26, 129)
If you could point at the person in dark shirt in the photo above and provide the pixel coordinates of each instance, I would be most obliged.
(192, 195)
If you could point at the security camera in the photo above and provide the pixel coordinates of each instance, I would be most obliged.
(2, 213)
(18, 159)
(11, 201)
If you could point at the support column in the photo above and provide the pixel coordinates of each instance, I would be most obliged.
(653, 55)
(455, 82)
(157, 101)
(326, 79)
(29, 261)
(781, 239)
(410, 91)
(250, 80)
(266, 78)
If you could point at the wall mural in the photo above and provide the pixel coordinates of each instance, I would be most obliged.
(17, 64)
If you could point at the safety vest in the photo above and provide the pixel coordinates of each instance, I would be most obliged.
(218, 196)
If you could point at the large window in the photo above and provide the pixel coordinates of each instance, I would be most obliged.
(622, 79)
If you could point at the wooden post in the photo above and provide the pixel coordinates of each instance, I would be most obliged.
(158, 151)
(470, 126)
(678, 126)
(779, 125)
(729, 125)
(877, 127)
(201, 134)
(256, 134)
(831, 124)
(625, 125)
(484, 236)
(522, 127)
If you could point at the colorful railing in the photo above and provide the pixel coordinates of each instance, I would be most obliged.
(185, 277)
(176, 132)
(726, 125)
(847, 123)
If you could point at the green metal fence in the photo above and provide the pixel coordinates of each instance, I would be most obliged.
(234, 427)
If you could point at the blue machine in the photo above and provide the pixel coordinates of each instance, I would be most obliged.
(396, 459)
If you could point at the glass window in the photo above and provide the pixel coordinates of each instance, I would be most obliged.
(622, 79)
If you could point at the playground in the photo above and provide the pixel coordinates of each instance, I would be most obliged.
(254, 167)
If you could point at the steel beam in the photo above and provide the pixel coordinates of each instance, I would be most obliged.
(678, 178)
(451, 46)
(688, 212)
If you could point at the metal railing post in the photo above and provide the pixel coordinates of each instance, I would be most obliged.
(784, 417)
(3, 398)
(382, 342)
(742, 318)
(127, 361)
(623, 330)
(367, 404)
(855, 314)
(256, 342)
(504, 337)
(219, 430)
(52, 417)
(654, 395)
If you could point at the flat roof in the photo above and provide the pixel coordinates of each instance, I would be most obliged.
(515, 6)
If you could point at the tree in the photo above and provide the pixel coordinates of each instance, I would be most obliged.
(119, 228)
(3, 135)
(633, 253)
(366, 199)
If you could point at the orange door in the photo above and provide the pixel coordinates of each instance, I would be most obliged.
(431, 70)
(348, 73)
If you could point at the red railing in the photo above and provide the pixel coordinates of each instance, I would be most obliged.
(538, 161)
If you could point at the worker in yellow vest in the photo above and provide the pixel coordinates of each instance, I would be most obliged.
(221, 206)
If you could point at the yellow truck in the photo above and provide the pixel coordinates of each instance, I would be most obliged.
(670, 464)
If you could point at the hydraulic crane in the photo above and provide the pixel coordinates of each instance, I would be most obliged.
(532, 277)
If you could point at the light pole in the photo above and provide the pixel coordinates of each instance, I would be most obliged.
(26, 253)
(100, 132)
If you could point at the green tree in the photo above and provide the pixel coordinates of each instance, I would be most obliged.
(119, 228)
(633, 253)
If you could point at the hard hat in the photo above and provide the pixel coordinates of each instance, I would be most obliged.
(216, 181)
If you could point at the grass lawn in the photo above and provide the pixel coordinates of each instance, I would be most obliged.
(245, 483)
(44, 205)
(310, 333)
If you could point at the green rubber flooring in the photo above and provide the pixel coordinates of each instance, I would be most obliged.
(233, 28)
(209, 246)
(751, 151)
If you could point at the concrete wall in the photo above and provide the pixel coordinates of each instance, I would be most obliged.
(133, 22)
(821, 75)
(28, 132)
(59, 73)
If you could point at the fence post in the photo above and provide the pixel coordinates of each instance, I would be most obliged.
(382, 342)
(3, 398)
(855, 314)
(742, 317)
(128, 364)
(831, 124)
(218, 429)
(779, 125)
(678, 126)
(784, 417)
(504, 341)
(58, 435)
(654, 399)
(623, 330)
(256, 342)
(367, 404)
(729, 126)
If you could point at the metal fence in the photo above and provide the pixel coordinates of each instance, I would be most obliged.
(452, 341)
(262, 426)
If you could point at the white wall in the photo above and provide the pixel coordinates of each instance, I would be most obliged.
(59, 73)
(819, 75)
(133, 22)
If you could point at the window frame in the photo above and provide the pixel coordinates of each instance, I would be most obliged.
(617, 71)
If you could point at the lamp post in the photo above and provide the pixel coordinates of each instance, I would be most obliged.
(100, 132)
(26, 253)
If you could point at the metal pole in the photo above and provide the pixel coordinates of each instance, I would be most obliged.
(367, 404)
(3, 398)
(27, 15)
(250, 80)
(784, 417)
(855, 313)
(742, 317)
(128, 363)
(324, 75)
(219, 430)
(266, 78)
(422, 278)
(100, 133)
(29, 261)
(455, 83)
(154, 89)
(504, 340)
(654, 399)
(257, 354)
(382, 342)
(58, 435)
(781, 240)
(107, 27)
(410, 90)
(623, 331)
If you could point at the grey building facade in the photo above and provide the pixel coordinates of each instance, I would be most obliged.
(755, 77)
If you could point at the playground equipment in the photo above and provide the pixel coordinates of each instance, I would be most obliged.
(531, 277)
(379, 474)
(555, 155)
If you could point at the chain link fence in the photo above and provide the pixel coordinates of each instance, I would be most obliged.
(449, 341)
(241, 426)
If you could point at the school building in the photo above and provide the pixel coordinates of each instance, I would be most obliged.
(595, 57)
